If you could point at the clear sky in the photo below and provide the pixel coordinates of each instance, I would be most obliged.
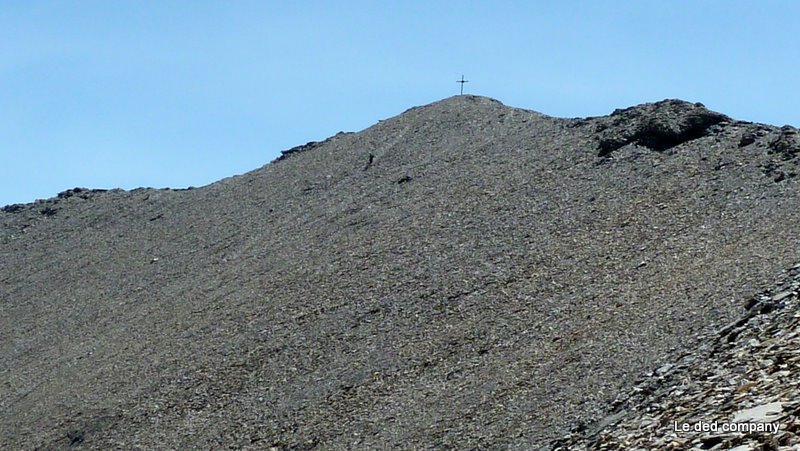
(105, 94)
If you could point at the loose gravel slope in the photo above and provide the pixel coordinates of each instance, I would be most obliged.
(464, 275)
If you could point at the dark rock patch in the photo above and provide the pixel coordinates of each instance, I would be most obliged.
(75, 437)
(302, 148)
(13, 208)
(69, 193)
(83, 193)
(370, 160)
(747, 139)
(48, 211)
(659, 126)
(787, 144)
(776, 172)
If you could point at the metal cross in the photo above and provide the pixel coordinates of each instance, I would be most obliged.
(462, 81)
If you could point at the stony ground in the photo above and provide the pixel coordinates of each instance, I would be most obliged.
(464, 275)
(746, 373)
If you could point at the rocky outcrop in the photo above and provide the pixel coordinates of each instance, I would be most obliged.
(657, 126)
(302, 148)
(787, 143)
(307, 146)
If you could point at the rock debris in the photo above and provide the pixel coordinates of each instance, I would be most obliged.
(747, 373)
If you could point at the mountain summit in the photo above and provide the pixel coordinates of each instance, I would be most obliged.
(463, 275)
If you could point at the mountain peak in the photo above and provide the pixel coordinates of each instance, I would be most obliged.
(462, 102)
(465, 274)
(470, 99)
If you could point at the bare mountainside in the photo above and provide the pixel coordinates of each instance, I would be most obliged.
(464, 275)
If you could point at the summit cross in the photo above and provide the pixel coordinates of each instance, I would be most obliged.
(462, 81)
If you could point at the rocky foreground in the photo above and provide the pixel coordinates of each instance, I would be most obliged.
(747, 374)
(465, 275)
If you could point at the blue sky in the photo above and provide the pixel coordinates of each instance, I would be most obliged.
(105, 94)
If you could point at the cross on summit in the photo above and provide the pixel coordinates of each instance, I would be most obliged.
(462, 81)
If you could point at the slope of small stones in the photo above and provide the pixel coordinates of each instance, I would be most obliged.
(462, 275)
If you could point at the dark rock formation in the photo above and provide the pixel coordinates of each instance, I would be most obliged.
(787, 143)
(658, 126)
(307, 146)
(13, 208)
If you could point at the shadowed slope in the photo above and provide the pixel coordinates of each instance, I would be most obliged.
(464, 274)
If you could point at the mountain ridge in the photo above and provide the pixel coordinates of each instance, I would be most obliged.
(629, 113)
